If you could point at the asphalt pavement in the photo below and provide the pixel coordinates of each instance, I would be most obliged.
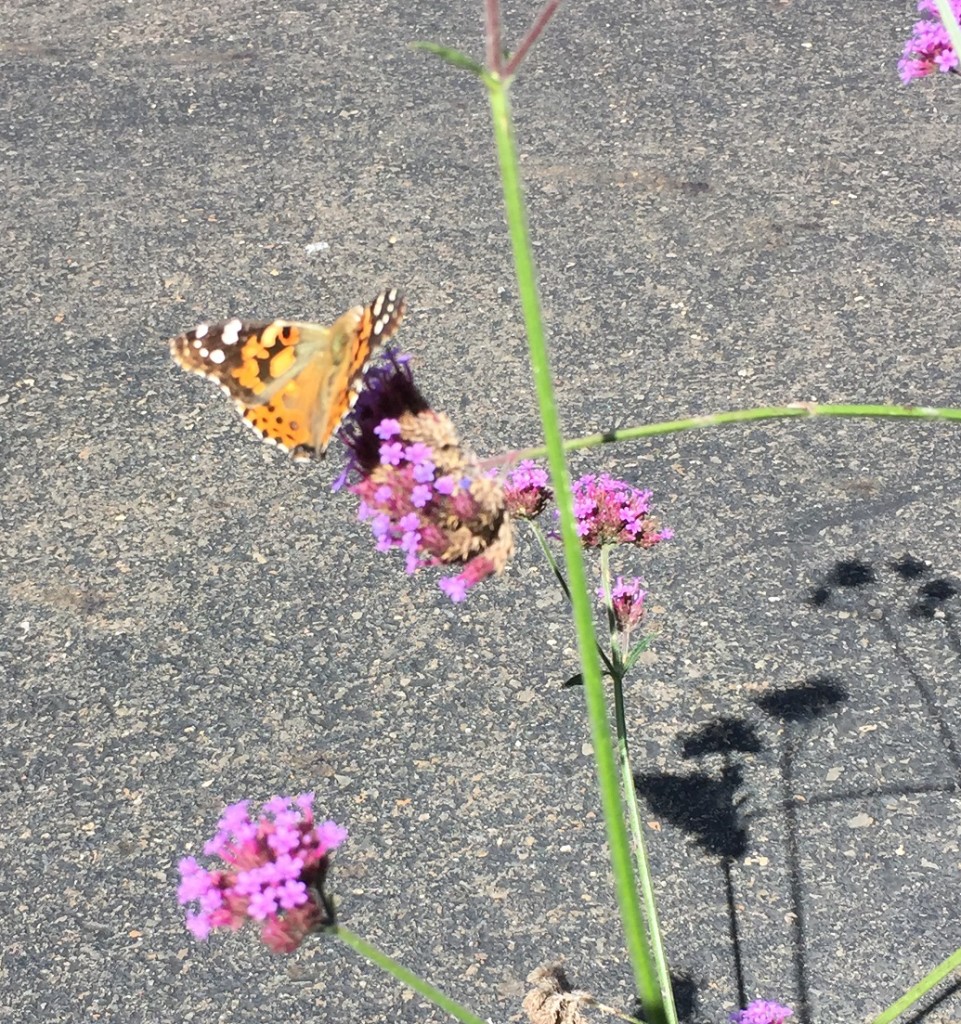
(734, 205)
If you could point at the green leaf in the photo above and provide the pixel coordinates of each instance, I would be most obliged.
(452, 56)
(636, 651)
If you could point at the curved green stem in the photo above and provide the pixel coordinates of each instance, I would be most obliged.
(924, 986)
(402, 974)
(556, 569)
(799, 410)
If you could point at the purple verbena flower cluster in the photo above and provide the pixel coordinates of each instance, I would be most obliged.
(273, 874)
(627, 599)
(419, 490)
(394, 508)
(526, 490)
(762, 1011)
(413, 505)
(929, 48)
(610, 511)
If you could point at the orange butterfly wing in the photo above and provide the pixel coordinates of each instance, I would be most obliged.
(292, 382)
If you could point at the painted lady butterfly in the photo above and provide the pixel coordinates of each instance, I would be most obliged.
(292, 382)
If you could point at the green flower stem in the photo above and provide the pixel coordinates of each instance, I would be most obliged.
(629, 791)
(774, 412)
(606, 590)
(921, 989)
(640, 854)
(551, 560)
(631, 918)
(406, 977)
(556, 569)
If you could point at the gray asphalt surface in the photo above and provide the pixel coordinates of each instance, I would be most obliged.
(734, 204)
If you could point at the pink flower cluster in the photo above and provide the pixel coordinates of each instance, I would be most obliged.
(419, 489)
(526, 490)
(412, 505)
(627, 599)
(610, 511)
(762, 1011)
(929, 48)
(394, 509)
(273, 874)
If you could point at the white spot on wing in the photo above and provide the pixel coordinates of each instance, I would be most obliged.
(200, 331)
(217, 355)
(231, 332)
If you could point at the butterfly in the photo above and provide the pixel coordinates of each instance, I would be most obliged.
(293, 382)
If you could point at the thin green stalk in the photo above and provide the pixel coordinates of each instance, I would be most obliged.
(640, 853)
(629, 791)
(631, 918)
(800, 410)
(556, 569)
(921, 989)
(551, 560)
(406, 977)
(607, 591)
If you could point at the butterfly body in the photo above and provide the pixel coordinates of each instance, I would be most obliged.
(293, 382)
